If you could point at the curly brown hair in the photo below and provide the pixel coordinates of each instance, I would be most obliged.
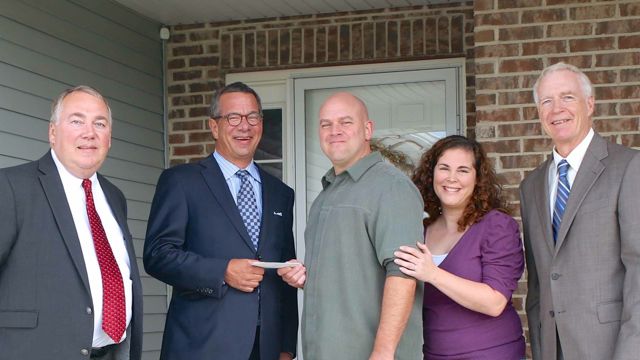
(487, 194)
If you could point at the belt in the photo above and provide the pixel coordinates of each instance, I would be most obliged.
(97, 353)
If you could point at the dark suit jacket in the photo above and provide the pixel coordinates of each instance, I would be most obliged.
(45, 300)
(588, 284)
(194, 230)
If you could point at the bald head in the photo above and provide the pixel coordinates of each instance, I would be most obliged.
(345, 130)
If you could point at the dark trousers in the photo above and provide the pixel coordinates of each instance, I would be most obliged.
(255, 352)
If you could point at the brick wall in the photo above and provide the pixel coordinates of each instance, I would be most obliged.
(516, 39)
(199, 55)
(506, 43)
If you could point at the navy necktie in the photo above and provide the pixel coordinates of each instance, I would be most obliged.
(562, 195)
(248, 207)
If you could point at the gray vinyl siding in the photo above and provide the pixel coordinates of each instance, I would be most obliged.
(47, 46)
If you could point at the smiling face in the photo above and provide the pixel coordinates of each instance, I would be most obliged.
(81, 134)
(238, 143)
(564, 109)
(454, 178)
(345, 130)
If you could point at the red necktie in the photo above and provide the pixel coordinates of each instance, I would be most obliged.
(113, 304)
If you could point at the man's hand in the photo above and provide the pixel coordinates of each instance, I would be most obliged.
(242, 275)
(285, 356)
(294, 276)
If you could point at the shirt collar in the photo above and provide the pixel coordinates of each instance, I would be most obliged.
(66, 176)
(229, 169)
(356, 170)
(576, 155)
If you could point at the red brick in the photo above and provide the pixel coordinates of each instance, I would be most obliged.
(430, 35)
(187, 27)
(632, 108)
(497, 83)
(580, 61)
(617, 92)
(392, 39)
(593, 44)
(629, 75)
(225, 50)
(176, 114)
(187, 125)
(187, 75)
(356, 41)
(544, 47)
(284, 52)
(518, 130)
(332, 43)
(602, 77)
(538, 16)
(521, 33)
(629, 9)
(499, 50)
(176, 89)
(592, 12)
(630, 140)
(482, 5)
(484, 36)
(520, 162)
(380, 40)
(529, 113)
(418, 36)
(485, 99)
(199, 111)
(483, 69)
(537, 145)
(501, 146)
(616, 125)
(204, 61)
(569, 29)
(511, 114)
(566, 2)
(272, 47)
(187, 50)
(457, 34)
(605, 109)
(513, 98)
(186, 100)
(174, 162)
(204, 35)
(485, 132)
(250, 49)
(176, 139)
(175, 64)
(308, 35)
(629, 42)
(497, 19)
(520, 65)
(508, 177)
(177, 38)
(443, 35)
(188, 150)
(511, 4)
(345, 41)
(202, 136)
(237, 59)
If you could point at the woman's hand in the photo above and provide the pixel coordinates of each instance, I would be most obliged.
(417, 263)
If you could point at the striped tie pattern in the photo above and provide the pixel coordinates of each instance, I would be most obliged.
(562, 195)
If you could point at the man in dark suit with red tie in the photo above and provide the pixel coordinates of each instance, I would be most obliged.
(209, 222)
(69, 284)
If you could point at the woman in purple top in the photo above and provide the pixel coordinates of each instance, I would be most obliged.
(471, 260)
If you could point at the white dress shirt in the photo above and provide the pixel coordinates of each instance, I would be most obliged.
(574, 159)
(77, 203)
(229, 171)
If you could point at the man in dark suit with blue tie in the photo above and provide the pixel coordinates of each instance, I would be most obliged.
(209, 222)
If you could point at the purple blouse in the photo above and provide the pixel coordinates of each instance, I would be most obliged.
(489, 252)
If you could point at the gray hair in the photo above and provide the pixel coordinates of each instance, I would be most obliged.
(585, 83)
(56, 107)
(236, 87)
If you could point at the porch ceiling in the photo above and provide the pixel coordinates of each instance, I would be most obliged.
(172, 12)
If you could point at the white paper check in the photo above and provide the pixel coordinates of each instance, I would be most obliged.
(275, 265)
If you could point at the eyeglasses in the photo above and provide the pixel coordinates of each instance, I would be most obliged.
(234, 119)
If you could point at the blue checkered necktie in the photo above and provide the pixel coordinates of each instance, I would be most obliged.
(562, 195)
(248, 207)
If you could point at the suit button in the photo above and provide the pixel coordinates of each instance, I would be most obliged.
(555, 276)
(89, 311)
(84, 352)
(551, 313)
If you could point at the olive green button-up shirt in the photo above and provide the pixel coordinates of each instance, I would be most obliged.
(356, 223)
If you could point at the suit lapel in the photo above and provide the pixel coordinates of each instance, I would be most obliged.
(541, 187)
(54, 191)
(266, 204)
(590, 169)
(216, 183)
